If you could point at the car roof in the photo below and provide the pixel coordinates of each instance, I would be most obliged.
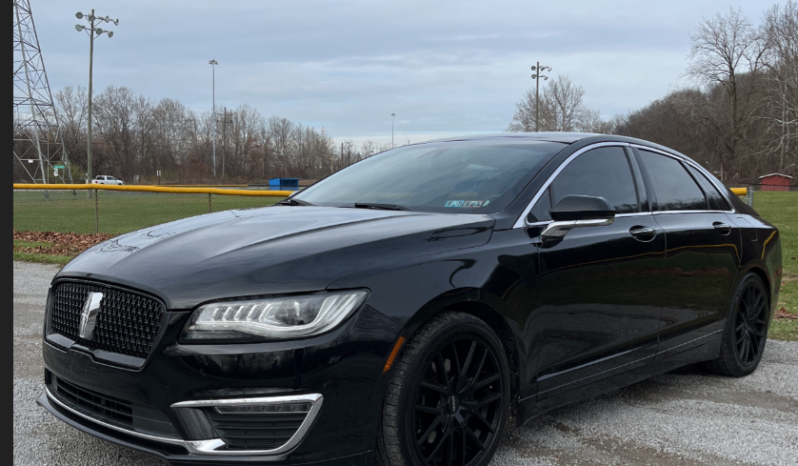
(561, 137)
(567, 138)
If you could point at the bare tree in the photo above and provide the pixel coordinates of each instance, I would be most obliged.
(725, 50)
(561, 109)
(780, 30)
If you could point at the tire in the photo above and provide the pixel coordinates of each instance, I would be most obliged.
(745, 333)
(434, 420)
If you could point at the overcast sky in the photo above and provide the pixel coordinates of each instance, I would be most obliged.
(444, 68)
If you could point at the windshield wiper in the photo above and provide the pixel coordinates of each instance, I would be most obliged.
(369, 205)
(292, 202)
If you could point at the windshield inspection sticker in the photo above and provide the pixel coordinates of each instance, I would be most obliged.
(454, 204)
(473, 204)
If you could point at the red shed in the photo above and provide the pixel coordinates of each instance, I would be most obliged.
(776, 182)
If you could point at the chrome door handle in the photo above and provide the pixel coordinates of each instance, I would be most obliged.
(642, 233)
(722, 228)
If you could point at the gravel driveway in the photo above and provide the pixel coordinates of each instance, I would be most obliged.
(683, 418)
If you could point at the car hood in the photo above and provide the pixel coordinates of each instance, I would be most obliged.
(270, 250)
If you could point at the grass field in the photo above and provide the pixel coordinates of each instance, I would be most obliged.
(121, 212)
(781, 209)
(118, 211)
(21, 255)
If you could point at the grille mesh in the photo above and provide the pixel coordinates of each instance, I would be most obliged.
(242, 431)
(127, 323)
(103, 407)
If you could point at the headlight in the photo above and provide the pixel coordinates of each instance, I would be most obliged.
(282, 318)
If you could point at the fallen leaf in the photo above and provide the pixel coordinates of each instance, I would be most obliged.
(783, 313)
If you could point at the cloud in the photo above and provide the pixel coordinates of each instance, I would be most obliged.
(443, 67)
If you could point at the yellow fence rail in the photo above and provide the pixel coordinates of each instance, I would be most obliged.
(120, 209)
(740, 191)
(154, 189)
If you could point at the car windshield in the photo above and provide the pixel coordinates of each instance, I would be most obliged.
(462, 176)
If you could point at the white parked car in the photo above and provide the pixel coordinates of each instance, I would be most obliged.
(106, 179)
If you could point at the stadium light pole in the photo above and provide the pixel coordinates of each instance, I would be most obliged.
(213, 64)
(393, 115)
(91, 30)
(537, 76)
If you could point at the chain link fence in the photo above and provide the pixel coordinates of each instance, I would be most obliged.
(116, 211)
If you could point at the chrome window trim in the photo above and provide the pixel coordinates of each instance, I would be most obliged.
(691, 212)
(211, 447)
(521, 222)
(633, 214)
(629, 214)
(721, 189)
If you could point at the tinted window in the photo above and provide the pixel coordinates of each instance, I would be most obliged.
(452, 177)
(716, 200)
(673, 186)
(110, 178)
(603, 172)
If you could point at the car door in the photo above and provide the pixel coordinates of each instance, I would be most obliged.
(703, 249)
(599, 286)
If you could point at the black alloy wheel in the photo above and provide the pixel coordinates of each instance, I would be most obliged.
(746, 330)
(448, 398)
(457, 403)
(750, 324)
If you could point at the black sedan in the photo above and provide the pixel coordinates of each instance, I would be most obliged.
(407, 309)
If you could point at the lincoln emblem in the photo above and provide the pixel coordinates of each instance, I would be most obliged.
(88, 317)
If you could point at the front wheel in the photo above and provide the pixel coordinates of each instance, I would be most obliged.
(746, 330)
(448, 396)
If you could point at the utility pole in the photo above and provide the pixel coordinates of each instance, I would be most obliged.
(224, 137)
(213, 64)
(92, 30)
(538, 69)
(393, 115)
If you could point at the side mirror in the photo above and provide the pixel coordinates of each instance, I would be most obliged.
(576, 211)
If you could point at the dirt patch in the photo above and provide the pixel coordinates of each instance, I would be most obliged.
(783, 313)
(60, 244)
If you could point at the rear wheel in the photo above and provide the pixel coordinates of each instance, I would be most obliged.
(746, 330)
(448, 396)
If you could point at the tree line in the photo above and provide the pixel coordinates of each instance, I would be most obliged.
(135, 137)
(739, 118)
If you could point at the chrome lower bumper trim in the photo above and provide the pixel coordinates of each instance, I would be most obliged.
(213, 447)
(153, 438)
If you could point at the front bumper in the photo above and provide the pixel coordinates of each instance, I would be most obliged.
(341, 369)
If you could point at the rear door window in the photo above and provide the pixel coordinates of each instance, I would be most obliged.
(716, 200)
(674, 188)
(603, 172)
